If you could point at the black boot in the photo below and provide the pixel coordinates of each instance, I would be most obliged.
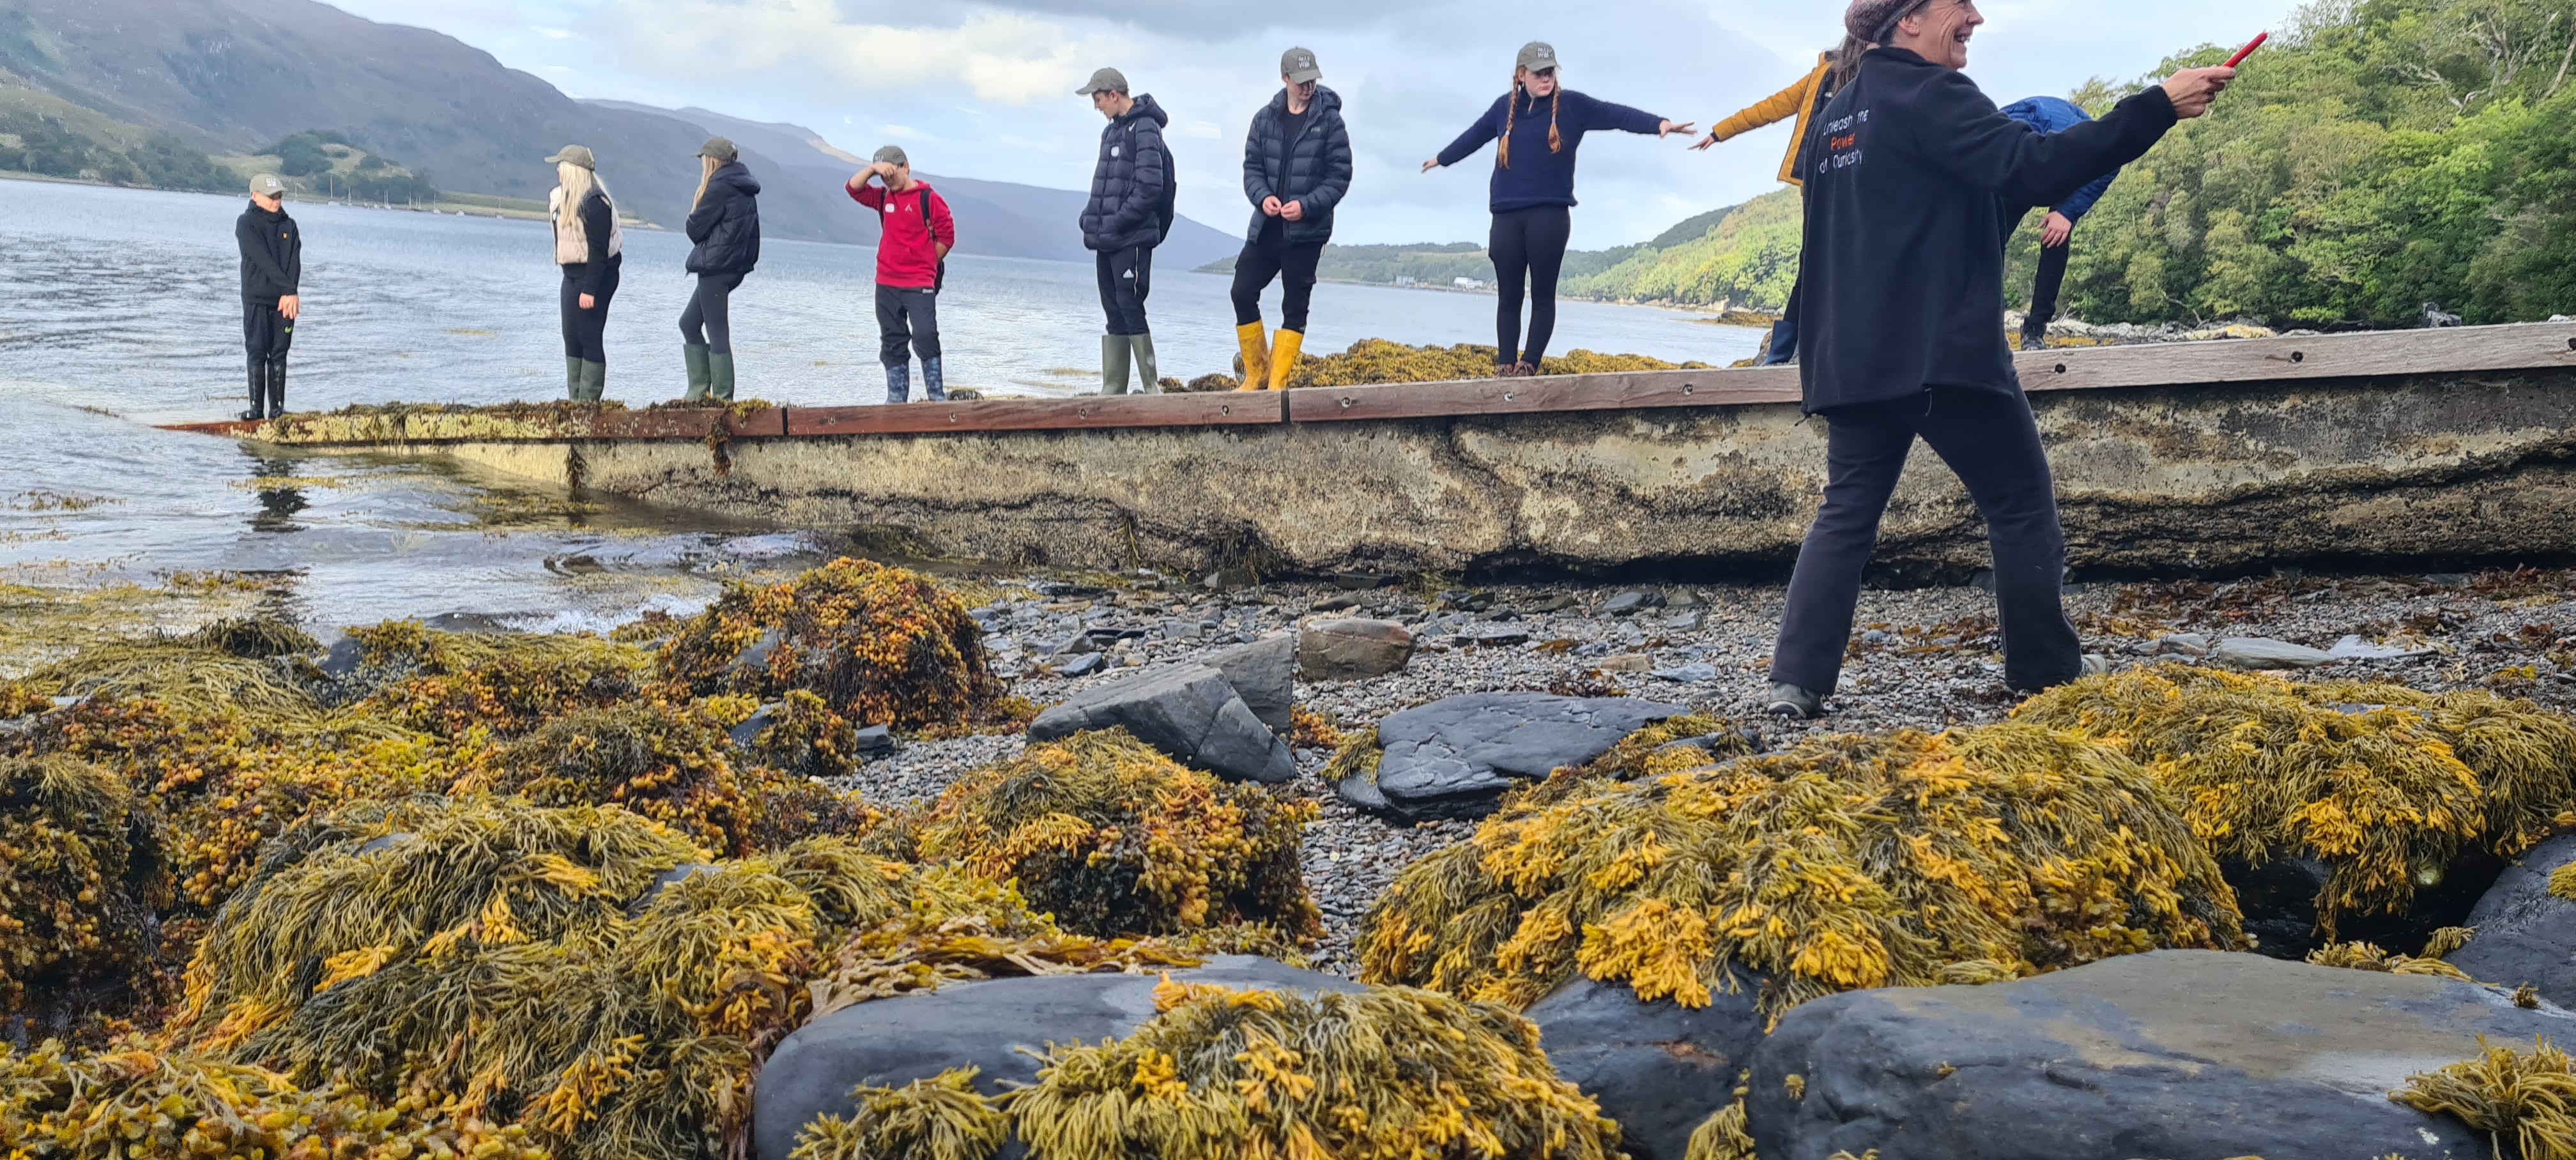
(258, 390)
(277, 387)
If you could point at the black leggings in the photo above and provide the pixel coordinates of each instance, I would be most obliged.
(586, 331)
(708, 320)
(1268, 258)
(1528, 244)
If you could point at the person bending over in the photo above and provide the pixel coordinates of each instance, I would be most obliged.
(272, 267)
(1296, 168)
(912, 261)
(2057, 232)
(724, 224)
(1903, 267)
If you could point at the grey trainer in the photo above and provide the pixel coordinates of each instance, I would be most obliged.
(1789, 700)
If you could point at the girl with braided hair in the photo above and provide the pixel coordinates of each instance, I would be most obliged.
(1536, 126)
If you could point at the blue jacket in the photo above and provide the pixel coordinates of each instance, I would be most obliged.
(2057, 115)
(1537, 176)
(1132, 184)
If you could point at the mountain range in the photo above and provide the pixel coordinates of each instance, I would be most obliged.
(233, 76)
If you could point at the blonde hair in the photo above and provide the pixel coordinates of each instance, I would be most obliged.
(706, 172)
(1511, 114)
(577, 187)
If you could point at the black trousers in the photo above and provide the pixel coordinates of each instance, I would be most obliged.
(907, 317)
(266, 333)
(1528, 247)
(1268, 257)
(1126, 277)
(585, 332)
(708, 319)
(1990, 441)
(2051, 279)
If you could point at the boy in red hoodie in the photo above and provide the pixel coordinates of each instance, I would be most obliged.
(912, 257)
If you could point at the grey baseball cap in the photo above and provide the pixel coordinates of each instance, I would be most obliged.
(1538, 54)
(1298, 65)
(891, 155)
(267, 185)
(720, 149)
(576, 154)
(1108, 80)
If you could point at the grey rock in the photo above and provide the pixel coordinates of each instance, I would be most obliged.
(344, 659)
(992, 1025)
(1080, 666)
(1335, 603)
(2171, 1053)
(1361, 581)
(749, 731)
(1189, 712)
(874, 741)
(1557, 603)
(1178, 628)
(1264, 674)
(1875, 636)
(1631, 601)
(1681, 598)
(1075, 645)
(1352, 650)
(2190, 644)
(1500, 637)
(1687, 620)
(2354, 648)
(1658, 1068)
(1466, 600)
(1230, 580)
(2255, 652)
(757, 656)
(666, 880)
(2525, 933)
(1687, 674)
(1454, 758)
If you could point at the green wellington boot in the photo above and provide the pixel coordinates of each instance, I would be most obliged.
(1114, 353)
(720, 376)
(1151, 375)
(695, 355)
(572, 378)
(594, 380)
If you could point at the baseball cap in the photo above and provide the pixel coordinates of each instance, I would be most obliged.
(720, 149)
(891, 155)
(578, 155)
(267, 185)
(1108, 80)
(1537, 55)
(1298, 65)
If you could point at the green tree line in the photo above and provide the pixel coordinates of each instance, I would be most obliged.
(33, 143)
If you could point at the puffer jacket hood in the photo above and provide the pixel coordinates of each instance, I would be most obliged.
(1132, 184)
(1317, 169)
(726, 223)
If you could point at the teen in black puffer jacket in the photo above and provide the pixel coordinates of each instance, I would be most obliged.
(1296, 167)
(725, 224)
(1132, 183)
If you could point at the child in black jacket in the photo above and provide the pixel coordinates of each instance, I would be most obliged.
(272, 264)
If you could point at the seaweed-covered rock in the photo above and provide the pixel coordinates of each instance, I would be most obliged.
(1375, 360)
(879, 645)
(2526, 925)
(82, 879)
(999, 1027)
(1189, 712)
(2175, 1053)
(1660, 1069)
(1112, 837)
(449, 684)
(1455, 758)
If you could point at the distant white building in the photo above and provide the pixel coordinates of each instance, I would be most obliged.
(1467, 283)
(1404, 280)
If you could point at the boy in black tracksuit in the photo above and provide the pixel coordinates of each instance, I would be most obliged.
(1902, 287)
(272, 264)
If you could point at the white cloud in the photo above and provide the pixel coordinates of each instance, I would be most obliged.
(996, 56)
(905, 132)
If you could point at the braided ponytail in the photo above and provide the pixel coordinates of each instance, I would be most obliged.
(1555, 143)
(1511, 111)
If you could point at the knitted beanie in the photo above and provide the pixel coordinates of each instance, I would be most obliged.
(1874, 20)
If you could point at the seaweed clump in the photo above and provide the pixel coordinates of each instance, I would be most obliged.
(879, 645)
(1375, 360)
(1112, 837)
(1657, 750)
(82, 879)
(2529, 1099)
(451, 684)
(1847, 862)
(2386, 785)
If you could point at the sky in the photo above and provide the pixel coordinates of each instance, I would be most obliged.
(984, 88)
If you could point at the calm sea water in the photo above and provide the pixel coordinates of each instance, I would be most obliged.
(124, 312)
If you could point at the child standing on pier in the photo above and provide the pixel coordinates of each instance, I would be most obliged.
(912, 259)
(272, 264)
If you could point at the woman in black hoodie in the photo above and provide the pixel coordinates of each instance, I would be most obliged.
(724, 221)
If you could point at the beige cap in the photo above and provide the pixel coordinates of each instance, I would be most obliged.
(1298, 66)
(1108, 80)
(891, 155)
(576, 154)
(267, 185)
(1538, 55)
(720, 149)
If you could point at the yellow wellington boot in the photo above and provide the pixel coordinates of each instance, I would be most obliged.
(1256, 356)
(1283, 358)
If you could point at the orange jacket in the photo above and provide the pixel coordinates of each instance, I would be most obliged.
(1798, 100)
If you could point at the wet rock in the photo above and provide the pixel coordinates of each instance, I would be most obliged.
(1189, 712)
(1335, 603)
(1631, 602)
(1658, 1068)
(749, 731)
(1081, 666)
(2254, 652)
(1264, 674)
(1075, 645)
(2279, 900)
(2525, 933)
(1687, 620)
(1687, 674)
(1499, 637)
(666, 880)
(1230, 580)
(1361, 581)
(1352, 650)
(1455, 758)
(1466, 600)
(874, 741)
(345, 658)
(2354, 648)
(994, 1025)
(2171, 1053)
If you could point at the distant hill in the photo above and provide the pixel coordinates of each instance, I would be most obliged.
(1746, 255)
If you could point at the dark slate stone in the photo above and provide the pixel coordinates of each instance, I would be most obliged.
(1075, 645)
(1453, 758)
(2172, 1053)
(1190, 712)
(749, 731)
(874, 741)
(1361, 581)
(2525, 933)
(664, 881)
(892, 1042)
(2279, 901)
(757, 656)
(1631, 601)
(1264, 674)
(384, 842)
(1230, 580)
(1658, 1068)
(344, 659)
(1080, 666)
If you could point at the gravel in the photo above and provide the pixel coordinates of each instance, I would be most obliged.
(1923, 658)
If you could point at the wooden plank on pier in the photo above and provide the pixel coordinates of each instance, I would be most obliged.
(1633, 390)
(1085, 412)
(688, 423)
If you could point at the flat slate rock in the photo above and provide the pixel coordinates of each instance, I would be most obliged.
(1189, 712)
(1455, 758)
(1264, 674)
(892, 1042)
(2525, 933)
(1658, 1068)
(2255, 652)
(2172, 1053)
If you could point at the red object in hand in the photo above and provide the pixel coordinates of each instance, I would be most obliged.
(2248, 50)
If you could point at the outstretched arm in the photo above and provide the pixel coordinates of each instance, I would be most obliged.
(1485, 129)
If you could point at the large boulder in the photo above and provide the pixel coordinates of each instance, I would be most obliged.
(1352, 650)
(990, 1025)
(2279, 900)
(1264, 674)
(1190, 712)
(1455, 758)
(1658, 1068)
(2171, 1053)
(2525, 933)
